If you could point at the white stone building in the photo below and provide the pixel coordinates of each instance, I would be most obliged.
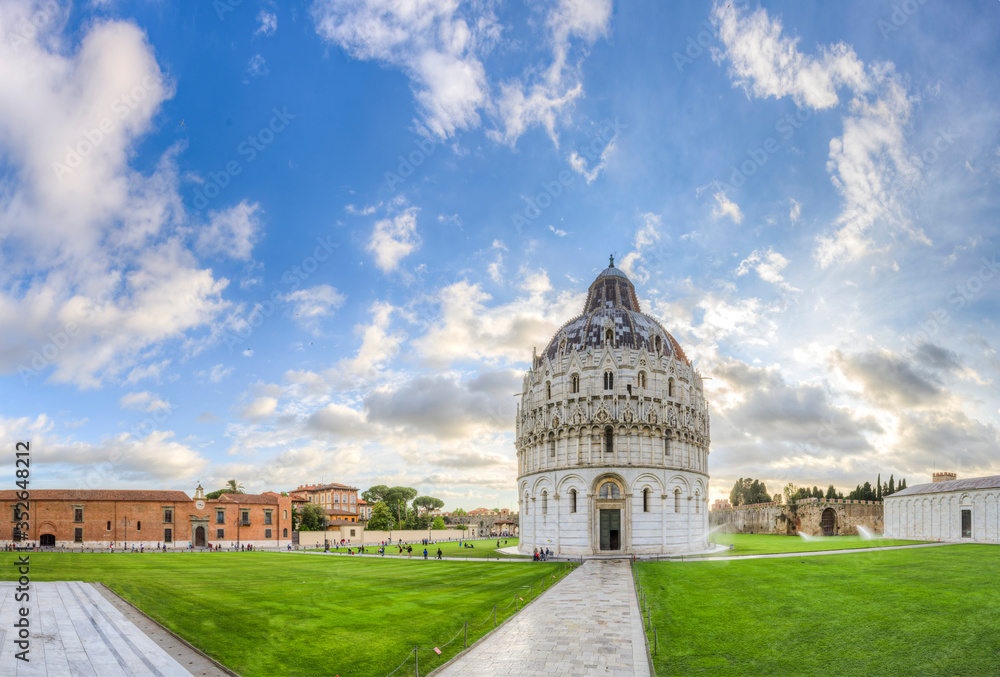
(946, 510)
(612, 435)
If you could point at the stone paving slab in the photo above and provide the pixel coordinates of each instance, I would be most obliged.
(76, 632)
(588, 624)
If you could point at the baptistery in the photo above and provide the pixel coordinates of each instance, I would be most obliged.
(612, 435)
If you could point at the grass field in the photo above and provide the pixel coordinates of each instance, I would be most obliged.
(761, 544)
(925, 611)
(485, 548)
(266, 614)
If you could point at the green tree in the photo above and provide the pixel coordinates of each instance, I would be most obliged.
(878, 488)
(374, 494)
(462, 527)
(892, 485)
(398, 499)
(459, 511)
(438, 523)
(381, 519)
(747, 491)
(234, 487)
(427, 503)
(791, 492)
(212, 495)
(831, 492)
(312, 518)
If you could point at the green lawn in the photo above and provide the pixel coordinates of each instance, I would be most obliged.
(761, 544)
(266, 614)
(484, 548)
(925, 611)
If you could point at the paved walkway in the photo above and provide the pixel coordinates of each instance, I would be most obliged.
(76, 632)
(588, 624)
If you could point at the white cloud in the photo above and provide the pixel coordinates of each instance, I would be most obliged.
(256, 67)
(726, 207)
(558, 232)
(636, 263)
(216, 374)
(311, 306)
(143, 401)
(440, 46)
(869, 163)
(268, 23)
(795, 211)
(231, 232)
(112, 275)
(579, 163)
(260, 409)
(393, 239)
(768, 265)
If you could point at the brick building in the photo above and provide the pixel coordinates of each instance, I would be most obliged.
(90, 518)
(338, 500)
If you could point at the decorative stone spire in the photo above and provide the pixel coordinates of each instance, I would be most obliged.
(199, 493)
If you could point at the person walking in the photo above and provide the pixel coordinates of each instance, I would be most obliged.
(439, 553)
(425, 553)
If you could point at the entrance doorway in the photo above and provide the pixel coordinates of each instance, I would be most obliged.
(829, 522)
(199, 537)
(611, 529)
(47, 540)
(966, 524)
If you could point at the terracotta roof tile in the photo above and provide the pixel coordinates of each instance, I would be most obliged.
(164, 496)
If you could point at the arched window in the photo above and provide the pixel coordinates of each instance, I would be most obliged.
(548, 390)
(284, 533)
(609, 440)
(670, 388)
(645, 500)
(642, 379)
(552, 445)
(610, 490)
(545, 502)
(526, 502)
(574, 383)
(609, 337)
(697, 502)
(677, 500)
(666, 448)
(572, 500)
(609, 380)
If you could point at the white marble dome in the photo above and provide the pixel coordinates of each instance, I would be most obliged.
(612, 435)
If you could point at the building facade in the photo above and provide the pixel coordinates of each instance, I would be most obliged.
(612, 435)
(97, 518)
(338, 500)
(946, 509)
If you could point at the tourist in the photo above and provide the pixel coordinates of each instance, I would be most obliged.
(439, 553)
(425, 553)
(534, 555)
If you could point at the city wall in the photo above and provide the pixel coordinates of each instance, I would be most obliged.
(806, 516)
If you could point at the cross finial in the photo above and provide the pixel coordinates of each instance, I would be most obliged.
(612, 260)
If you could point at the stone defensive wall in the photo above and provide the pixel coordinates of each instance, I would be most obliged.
(811, 516)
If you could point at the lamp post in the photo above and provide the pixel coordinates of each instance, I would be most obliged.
(125, 523)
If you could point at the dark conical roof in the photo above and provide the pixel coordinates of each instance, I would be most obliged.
(612, 304)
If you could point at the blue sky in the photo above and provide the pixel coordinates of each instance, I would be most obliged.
(307, 241)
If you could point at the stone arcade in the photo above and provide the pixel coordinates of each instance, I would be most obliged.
(612, 435)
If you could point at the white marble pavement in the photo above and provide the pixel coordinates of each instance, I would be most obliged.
(588, 624)
(75, 632)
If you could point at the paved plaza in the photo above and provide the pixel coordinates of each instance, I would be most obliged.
(588, 624)
(77, 632)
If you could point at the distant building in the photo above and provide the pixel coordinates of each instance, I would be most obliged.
(338, 500)
(364, 510)
(946, 509)
(721, 504)
(95, 518)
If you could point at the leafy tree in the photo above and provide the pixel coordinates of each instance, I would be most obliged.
(747, 491)
(296, 518)
(459, 511)
(218, 492)
(427, 503)
(381, 519)
(791, 492)
(438, 523)
(312, 518)
(777, 498)
(462, 527)
(375, 494)
(398, 498)
(234, 487)
(831, 492)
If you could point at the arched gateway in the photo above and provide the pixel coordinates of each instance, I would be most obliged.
(612, 435)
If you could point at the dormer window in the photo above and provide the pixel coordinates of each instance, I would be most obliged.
(609, 337)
